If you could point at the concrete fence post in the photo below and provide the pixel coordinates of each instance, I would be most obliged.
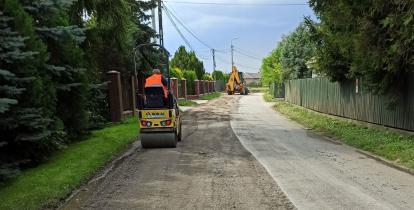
(115, 96)
(184, 88)
(174, 82)
(214, 86)
(197, 87)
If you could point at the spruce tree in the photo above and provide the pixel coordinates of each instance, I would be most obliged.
(66, 64)
(26, 128)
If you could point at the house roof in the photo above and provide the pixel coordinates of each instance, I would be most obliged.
(251, 75)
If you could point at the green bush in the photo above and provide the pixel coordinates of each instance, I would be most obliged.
(217, 75)
(177, 73)
(207, 76)
(190, 76)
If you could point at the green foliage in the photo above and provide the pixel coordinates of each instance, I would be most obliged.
(190, 76)
(52, 71)
(180, 59)
(368, 40)
(30, 125)
(197, 65)
(188, 61)
(46, 185)
(210, 96)
(270, 70)
(207, 76)
(267, 96)
(297, 50)
(218, 75)
(186, 103)
(177, 73)
(290, 59)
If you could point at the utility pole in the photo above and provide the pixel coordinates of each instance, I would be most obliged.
(161, 31)
(232, 52)
(232, 55)
(213, 51)
(154, 25)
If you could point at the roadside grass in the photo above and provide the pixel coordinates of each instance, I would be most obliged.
(45, 185)
(210, 96)
(268, 97)
(186, 103)
(258, 89)
(385, 143)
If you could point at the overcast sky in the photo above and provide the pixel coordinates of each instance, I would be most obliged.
(258, 29)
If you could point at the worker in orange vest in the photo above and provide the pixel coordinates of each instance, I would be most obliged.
(156, 79)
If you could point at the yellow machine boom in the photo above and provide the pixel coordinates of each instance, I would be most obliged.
(235, 84)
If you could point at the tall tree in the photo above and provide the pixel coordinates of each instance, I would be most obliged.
(297, 50)
(29, 124)
(291, 57)
(51, 69)
(66, 66)
(180, 59)
(188, 61)
(271, 69)
(371, 40)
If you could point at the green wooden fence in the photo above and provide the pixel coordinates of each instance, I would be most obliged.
(351, 101)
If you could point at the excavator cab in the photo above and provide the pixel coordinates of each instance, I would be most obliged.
(159, 117)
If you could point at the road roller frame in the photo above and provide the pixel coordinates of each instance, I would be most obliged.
(159, 118)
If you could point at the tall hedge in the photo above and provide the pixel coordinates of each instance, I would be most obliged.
(190, 76)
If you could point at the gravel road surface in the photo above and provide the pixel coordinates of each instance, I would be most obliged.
(210, 169)
(316, 173)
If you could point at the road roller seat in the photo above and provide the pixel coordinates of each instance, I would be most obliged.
(155, 97)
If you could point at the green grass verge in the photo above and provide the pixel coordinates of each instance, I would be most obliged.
(44, 185)
(268, 97)
(186, 103)
(210, 96)
(385, 143)
(258, 89)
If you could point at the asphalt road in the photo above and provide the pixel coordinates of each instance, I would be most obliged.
(313, 172)
(210, 169)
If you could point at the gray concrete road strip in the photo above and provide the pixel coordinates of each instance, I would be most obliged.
(313, 172)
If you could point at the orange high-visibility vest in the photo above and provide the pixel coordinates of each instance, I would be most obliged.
(156, 80)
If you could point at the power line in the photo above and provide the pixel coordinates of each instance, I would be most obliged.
(187, 28)
(181, 34)
(223, 51)
(247, 55)
(246, 52)
(178, 30)
(237, 4)
(240, 65)
(246, 66)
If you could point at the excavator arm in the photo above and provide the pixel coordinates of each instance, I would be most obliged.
(235, 84)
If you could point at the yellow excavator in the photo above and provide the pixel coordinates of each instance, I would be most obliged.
(236, 83)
